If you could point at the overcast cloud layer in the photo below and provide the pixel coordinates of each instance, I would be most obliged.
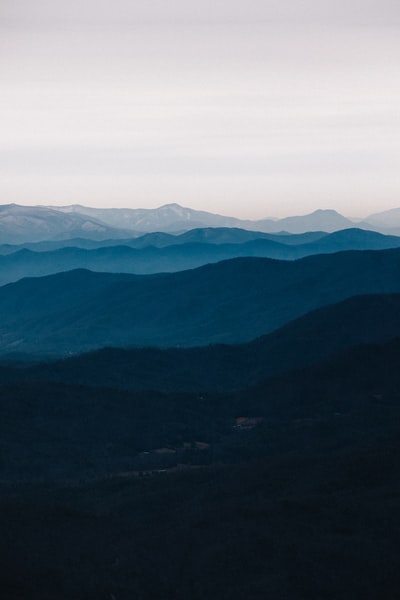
(252, 108)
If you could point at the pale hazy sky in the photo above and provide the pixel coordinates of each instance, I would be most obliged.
(252, 108)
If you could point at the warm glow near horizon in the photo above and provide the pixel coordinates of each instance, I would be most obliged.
(256, 109)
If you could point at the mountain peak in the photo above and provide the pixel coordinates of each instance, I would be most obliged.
(326, 211)
(174, 208)
(171, 205)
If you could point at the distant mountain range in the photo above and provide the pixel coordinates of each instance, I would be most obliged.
(176, 218)
(208, 235)
(231, 301)
(162, 252)
(20, 224)
(388, 219)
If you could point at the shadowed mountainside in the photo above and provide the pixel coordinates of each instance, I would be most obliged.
(229, 302)
(62, 431)
(93, 501)
(307, 340)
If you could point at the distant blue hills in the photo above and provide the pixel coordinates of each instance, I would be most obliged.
(161, 252)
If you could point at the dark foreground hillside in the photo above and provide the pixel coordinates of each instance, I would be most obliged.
(289, 527)
(54, 431)
(288, 490)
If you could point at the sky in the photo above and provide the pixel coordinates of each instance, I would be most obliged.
(251, 108)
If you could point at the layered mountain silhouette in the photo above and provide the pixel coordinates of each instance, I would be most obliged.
(27, 224)
(21, 224)
(175, 218)
(227, 465)
(232, 301)
(190, 250)
(304, 341)
(208, 235)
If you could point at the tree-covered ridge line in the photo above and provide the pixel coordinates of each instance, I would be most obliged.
(302, 342)
(232, 301)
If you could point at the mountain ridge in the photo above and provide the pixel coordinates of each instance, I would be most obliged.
(20, 223)
(173, 218)
(299, 344)
(229, 302)
(26, 223)
(192, 249)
